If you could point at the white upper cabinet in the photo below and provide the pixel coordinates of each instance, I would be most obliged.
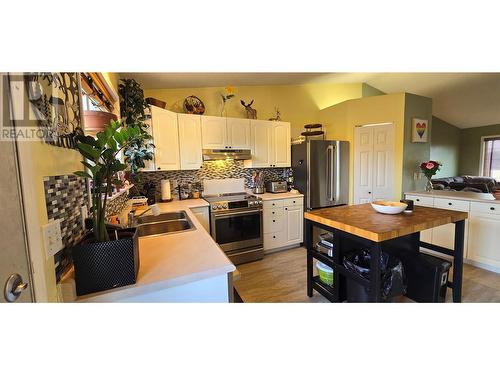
(190, 141)
(281, 149)
(225, 133)
(238, 133)
(270, 144)
(166, 139)
(261, 139)
(214, 132)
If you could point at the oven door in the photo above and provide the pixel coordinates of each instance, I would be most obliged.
(237, 230)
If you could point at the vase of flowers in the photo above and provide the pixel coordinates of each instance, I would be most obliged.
(429, 169)
(226, 95)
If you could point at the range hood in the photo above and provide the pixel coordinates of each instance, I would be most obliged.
(223, 154)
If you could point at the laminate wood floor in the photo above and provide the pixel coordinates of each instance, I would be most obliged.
(281, 277)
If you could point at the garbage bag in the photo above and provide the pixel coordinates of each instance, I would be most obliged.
(393, 280)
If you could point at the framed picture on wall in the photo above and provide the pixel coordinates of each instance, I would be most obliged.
(419, 130)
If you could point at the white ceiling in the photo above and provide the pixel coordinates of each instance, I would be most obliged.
(463, 99)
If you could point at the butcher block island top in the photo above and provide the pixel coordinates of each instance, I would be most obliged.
(363, 221)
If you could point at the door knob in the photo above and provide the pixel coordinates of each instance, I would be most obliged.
(14, 287)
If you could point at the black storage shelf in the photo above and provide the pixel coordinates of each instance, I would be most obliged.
(339, 268)
(324, 289)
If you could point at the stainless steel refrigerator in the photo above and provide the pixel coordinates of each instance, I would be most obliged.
(321, 172)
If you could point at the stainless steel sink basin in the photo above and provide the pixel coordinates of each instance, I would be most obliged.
(166, 223)
(167, 216)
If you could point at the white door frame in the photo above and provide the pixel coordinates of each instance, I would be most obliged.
(354, 188)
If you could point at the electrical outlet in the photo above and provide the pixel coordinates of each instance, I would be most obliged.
(52, 238)
(84, 214)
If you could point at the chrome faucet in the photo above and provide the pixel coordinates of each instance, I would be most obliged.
(132, 218)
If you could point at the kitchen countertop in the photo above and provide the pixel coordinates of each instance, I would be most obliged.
(460, 195)
(273, 196)
(363, 221)
(171, 260)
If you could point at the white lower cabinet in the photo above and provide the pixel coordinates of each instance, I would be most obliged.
(283, 222)
(203, 217)
(444, 235)
(484, 234)
(482, 229)
(425, 235)
(294, 224)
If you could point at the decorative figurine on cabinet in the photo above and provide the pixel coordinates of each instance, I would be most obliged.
(251, 113)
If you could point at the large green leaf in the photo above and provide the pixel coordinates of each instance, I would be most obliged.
(89, 151)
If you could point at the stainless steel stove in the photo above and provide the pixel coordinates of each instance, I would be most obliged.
(236, 225)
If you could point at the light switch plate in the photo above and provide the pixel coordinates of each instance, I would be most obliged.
(84, 214)
(52, 238)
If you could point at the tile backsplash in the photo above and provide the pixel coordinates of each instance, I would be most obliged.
(64, 197)
(209, 170)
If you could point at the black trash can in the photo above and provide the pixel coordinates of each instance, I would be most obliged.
(427, 277)
(392, 276)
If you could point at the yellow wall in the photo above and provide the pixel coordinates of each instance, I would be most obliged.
(298, 104)
(37, 160)
(341, 119)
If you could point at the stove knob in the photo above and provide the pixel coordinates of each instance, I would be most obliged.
(251, 203)
(219, 206)
(224, 205)
(214, 207)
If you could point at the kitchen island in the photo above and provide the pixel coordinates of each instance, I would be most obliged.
(361, 227)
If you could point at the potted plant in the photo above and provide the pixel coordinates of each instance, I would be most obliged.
(133, 115)
(102, 262)
(429, 169)
(196, 189)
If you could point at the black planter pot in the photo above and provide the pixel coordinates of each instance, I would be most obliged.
(106, 265)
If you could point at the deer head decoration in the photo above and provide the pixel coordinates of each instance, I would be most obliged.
(251, 113)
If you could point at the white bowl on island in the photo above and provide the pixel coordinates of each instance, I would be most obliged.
(390, 208)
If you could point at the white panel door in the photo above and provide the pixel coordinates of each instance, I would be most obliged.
(484, 238)
(165, 139)
(363, 162)
(214, 132)
(294, 224)
(373, 163)
(190, 141)
(238, 133)
(261, 143)
(281, 148)
(383, 162)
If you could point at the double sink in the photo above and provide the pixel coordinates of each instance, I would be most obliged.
(165, 223)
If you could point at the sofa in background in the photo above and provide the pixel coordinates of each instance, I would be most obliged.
(476, 184)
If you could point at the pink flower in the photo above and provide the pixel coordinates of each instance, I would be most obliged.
(429, 165)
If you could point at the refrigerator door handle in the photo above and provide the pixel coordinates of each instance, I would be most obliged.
(329, 171)
(337, 173)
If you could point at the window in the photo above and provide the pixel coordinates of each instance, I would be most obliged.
(97, 95)
(491, 157)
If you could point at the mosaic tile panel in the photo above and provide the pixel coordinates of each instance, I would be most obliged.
(64, 197)
(210, 170)
(117, 205)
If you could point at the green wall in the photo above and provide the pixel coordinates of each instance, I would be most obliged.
(445, 147)
(470, 148)
(367, 90)
(415, 153)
